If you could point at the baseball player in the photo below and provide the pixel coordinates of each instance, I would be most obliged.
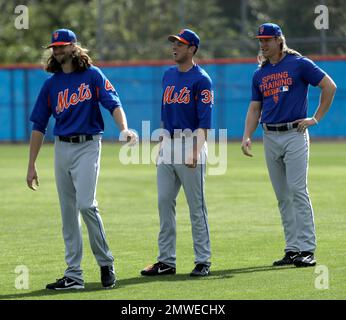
(185, 113)
(279, 102)
(72, 95)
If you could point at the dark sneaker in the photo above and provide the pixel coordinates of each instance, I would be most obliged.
(287, 259)
(201, 270)
(64, 283)
(305, 259)
(158, 269)
(108, 277)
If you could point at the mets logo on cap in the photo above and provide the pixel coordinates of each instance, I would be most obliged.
(55, 35)
(261, 29)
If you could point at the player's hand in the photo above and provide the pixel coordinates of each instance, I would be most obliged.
(246, 147)
(157, 159)
(32, 178)
(303, 124)
(130, 136)
(158, 156)
(191, 161)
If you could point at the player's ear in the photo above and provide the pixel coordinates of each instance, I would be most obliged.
(193, 49)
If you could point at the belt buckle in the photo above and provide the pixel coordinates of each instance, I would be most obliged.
(75, 139)
(282, 128)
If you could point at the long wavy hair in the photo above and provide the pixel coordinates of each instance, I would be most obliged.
(283, 49)
(80, 61)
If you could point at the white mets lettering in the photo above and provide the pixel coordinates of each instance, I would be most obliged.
(64, 101)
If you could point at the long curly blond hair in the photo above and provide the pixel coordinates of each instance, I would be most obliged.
(283, 48)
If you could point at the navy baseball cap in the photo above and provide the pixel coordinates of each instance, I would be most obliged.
(186, 36)
(268, 30)
(62, 37)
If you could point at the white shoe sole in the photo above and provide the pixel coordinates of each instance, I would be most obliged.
(76, 287)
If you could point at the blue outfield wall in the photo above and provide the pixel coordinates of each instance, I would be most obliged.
(139, 88)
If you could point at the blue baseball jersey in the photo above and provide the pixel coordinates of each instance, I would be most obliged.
(283, 88)
(73, 100)
(187, 99)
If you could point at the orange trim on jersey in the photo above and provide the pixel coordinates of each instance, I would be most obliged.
(97, 92)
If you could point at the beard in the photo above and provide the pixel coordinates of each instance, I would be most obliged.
(63, 58)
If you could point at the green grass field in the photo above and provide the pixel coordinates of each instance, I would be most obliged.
(245, 230)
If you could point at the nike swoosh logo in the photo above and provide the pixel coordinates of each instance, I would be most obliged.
(162, 270)
(68, 283)
(306, 258)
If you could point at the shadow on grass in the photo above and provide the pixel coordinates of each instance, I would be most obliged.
(96, 286)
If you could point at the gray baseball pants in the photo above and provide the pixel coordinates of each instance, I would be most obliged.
(171, 175)
(287, 157)
(77, 168)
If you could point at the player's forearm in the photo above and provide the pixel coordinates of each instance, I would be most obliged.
(201, 138)
(120, 118)
(326, 99)
(35, 146)
(251, 122)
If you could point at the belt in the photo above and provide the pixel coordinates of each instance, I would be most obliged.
(280, 127)
(76, 139)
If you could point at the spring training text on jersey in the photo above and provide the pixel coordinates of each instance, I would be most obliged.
(179, 309)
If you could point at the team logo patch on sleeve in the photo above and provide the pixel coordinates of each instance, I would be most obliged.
(108, 86)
